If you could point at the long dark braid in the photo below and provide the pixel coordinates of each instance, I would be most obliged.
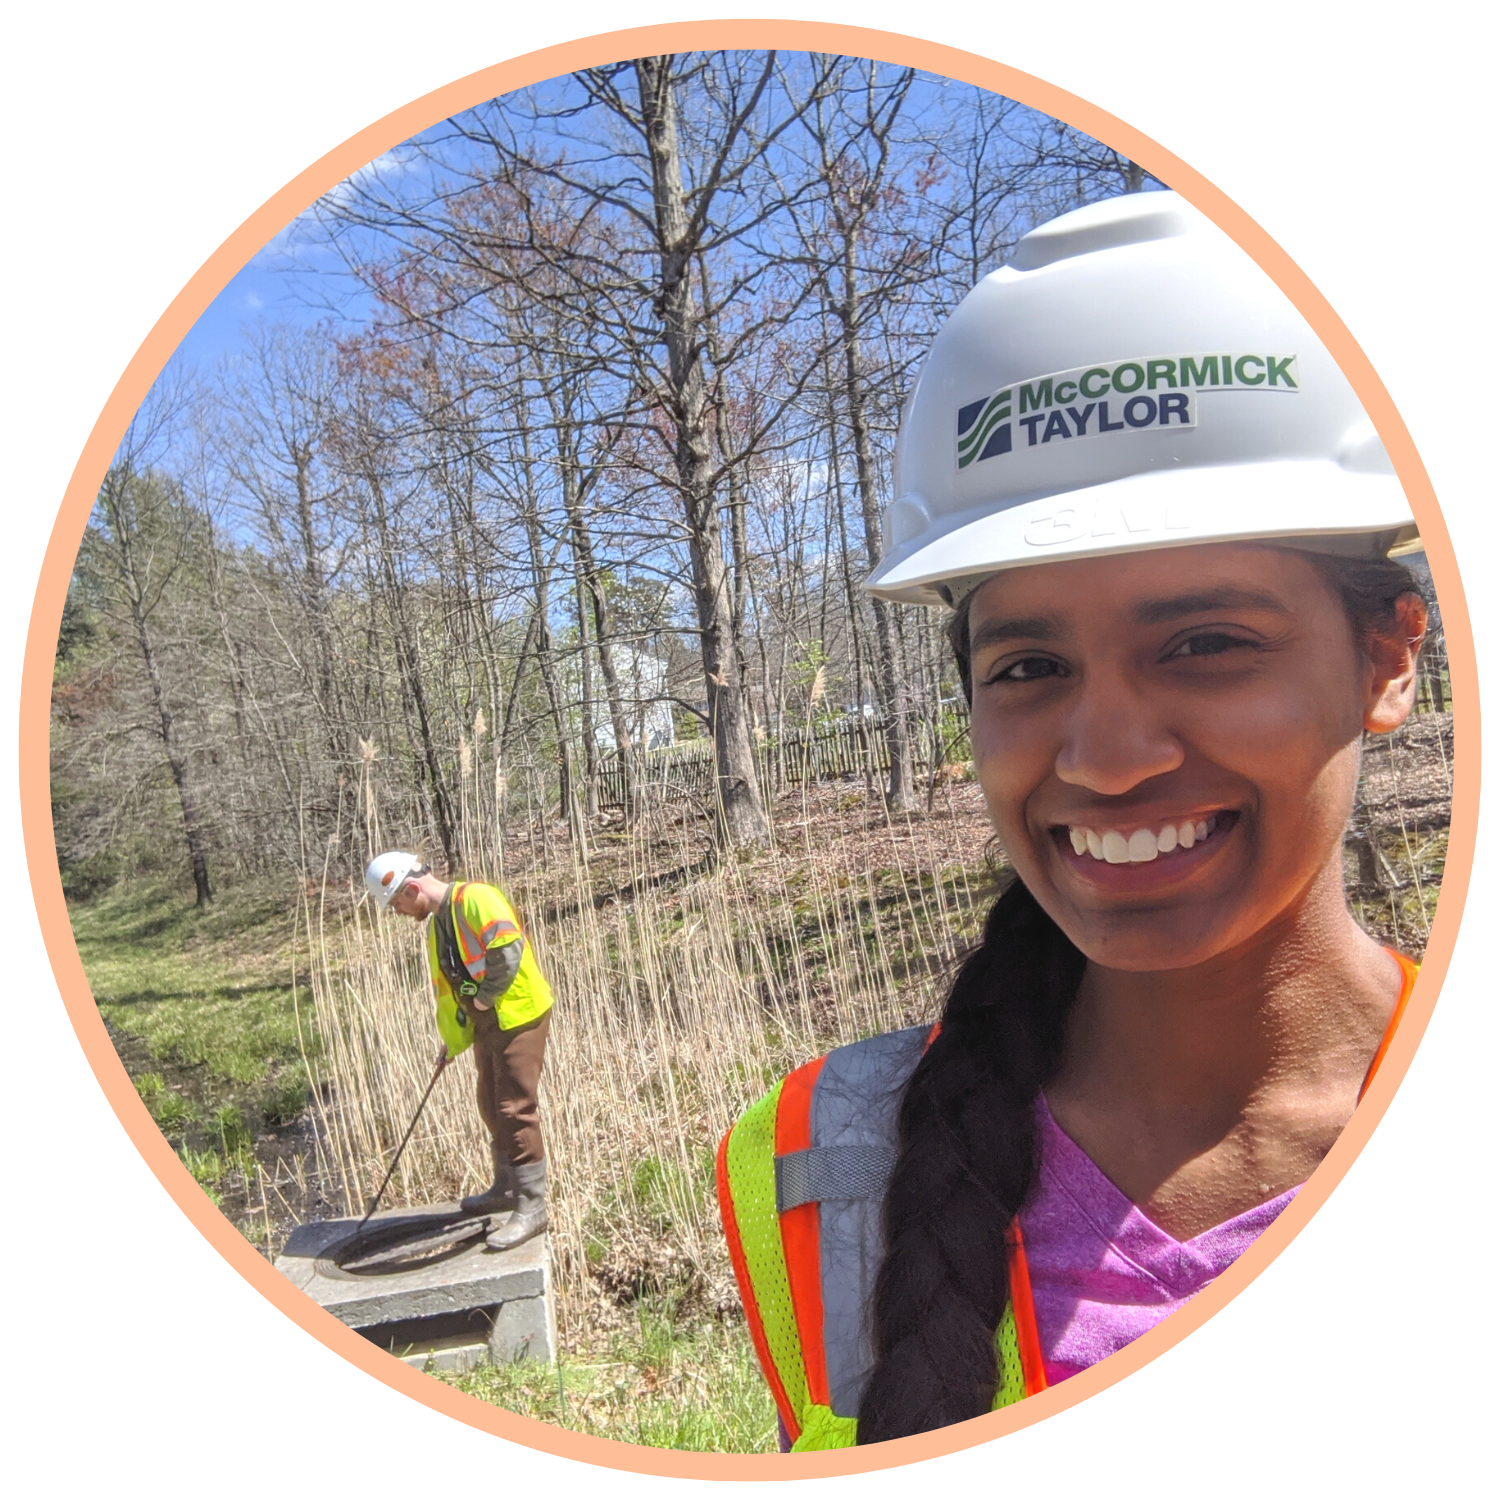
(967, 1162)
(968, 1157)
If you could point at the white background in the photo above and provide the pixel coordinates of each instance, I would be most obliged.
(137, 137)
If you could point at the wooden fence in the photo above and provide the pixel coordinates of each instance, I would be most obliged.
(828, 752)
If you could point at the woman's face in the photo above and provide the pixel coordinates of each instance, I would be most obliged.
(1169, 741)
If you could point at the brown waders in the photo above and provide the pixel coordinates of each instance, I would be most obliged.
(510, 1068)
(509, 1064)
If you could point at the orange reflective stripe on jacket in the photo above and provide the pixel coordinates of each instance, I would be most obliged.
(746, 1183)
(800, 1238)
(1028, 1340)
(1409, 971)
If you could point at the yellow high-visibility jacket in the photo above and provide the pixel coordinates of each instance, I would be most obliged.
(801, 1178)
(484, 919)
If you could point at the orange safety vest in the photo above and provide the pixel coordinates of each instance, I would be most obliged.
(801, 1180)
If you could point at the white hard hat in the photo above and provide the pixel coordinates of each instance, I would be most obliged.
(1130, 379)
(386, 874)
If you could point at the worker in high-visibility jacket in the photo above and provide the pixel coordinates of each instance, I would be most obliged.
(1169, 538)
(491, 995)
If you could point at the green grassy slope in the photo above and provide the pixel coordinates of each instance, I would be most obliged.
(659, 1381)
(208, 988)
(200, 1005)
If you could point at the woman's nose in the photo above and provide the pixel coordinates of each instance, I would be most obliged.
(1114, 742)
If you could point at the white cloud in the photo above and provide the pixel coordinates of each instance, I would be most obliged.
(393, 164)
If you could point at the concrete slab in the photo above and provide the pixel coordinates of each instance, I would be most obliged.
(479, 1298)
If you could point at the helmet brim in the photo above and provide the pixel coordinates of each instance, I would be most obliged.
(1313, 503)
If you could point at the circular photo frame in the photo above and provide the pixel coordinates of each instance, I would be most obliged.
(318, 180)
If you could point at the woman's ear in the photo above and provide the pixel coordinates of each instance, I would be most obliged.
(1393, 653)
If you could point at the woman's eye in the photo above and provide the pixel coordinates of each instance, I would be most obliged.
(1029, 669)
(1210, 643)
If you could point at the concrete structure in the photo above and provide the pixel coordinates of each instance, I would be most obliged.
(456, 1313)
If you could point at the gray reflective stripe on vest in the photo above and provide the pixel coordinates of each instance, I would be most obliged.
(855, 1102)
(823, 1172)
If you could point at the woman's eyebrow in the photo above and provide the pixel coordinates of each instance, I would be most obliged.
(1160, 611)
(1021, 627)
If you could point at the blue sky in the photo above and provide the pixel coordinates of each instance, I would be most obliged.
(295, 278)
(263, 289)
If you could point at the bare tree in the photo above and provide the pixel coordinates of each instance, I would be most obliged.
(142, 536)
(864, 268)
(612, 426)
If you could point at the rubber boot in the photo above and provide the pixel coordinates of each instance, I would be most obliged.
(497, 1198)
(530, 1217)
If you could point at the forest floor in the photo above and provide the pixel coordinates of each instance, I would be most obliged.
(202, 1006)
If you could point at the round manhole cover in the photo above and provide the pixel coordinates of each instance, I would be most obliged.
(405, 1244)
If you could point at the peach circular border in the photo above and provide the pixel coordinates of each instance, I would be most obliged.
(173, 325)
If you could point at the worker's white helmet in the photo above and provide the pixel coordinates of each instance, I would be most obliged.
(387, 873)
(1130, 379)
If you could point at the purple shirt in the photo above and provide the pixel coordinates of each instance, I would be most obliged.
(1101, 1272)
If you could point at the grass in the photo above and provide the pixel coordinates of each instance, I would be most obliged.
(205, 989)
(172, 1112)
(201, 1004)
(664, 1381)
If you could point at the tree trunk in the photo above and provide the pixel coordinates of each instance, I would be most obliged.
(513, 696)
(409, 666)
(738, 546)
(314, 586)
(741, 817)
(900, 794)
(583, 549)
(121, 524)
(191, 822)
(586, 695)
(567, 792)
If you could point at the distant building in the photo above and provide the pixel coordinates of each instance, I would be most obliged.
(643, 689)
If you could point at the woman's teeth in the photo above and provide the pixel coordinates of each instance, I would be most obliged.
(1142, 846)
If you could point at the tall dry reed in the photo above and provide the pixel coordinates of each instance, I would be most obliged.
(685, 986)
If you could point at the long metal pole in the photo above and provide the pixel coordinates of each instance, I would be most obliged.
(437, 1073)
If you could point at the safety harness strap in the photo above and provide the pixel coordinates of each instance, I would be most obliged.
(450, 959)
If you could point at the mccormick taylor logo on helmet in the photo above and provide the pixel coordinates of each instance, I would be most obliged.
(1130, 395)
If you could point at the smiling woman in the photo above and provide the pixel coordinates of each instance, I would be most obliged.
(1167, 769)
(1174, 641)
